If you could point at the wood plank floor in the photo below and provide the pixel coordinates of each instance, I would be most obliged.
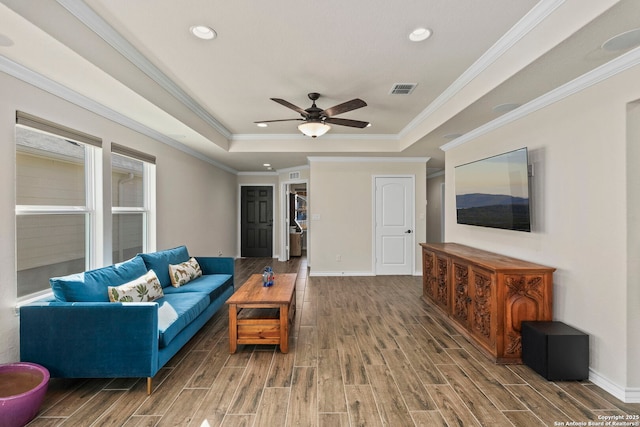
(364, 351)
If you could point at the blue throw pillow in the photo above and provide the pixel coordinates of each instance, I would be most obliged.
(91, 286)
(159, 262)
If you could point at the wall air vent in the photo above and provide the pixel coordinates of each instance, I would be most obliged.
(402, 88)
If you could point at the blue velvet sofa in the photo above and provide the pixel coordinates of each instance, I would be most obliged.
(81, 334)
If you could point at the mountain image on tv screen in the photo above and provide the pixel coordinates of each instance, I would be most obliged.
(494, 192)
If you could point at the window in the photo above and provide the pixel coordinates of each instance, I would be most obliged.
(57, 202)
(60, 217)
(132, 177)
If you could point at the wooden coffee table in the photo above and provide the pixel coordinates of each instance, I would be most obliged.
(261, 315)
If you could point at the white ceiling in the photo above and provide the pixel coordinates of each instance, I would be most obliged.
(137, 63)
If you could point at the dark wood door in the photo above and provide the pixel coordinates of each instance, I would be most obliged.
(256, 221)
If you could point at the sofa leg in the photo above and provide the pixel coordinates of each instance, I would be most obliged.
(149, 385)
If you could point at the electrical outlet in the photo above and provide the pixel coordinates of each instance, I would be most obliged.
(219, 252)
(338, 258)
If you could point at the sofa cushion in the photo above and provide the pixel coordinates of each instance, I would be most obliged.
(91, 286)
(159, 262)
(211, 284)
(183, 309)
(143, 289)
(181, 274)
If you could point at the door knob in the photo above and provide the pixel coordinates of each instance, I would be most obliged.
(408, 232)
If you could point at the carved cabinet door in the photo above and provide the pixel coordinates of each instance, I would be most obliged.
(429, 274)
(483, 310)
(525, 299)
(461, 300)
(441, 286)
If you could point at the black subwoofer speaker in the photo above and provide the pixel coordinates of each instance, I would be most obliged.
(555, 350)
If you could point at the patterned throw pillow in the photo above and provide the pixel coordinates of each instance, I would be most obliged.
(183, 273)
(143, 289)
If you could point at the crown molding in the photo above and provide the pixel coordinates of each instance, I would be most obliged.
(294, 169)
(321, 159)
(257, 174)
(301, 137)
(95, 23)
(44, 83)
(591, 78)
(530, 21)
(435, 174)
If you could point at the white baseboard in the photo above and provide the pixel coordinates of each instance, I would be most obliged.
(340, 273)
(625, 394)
(350, 273)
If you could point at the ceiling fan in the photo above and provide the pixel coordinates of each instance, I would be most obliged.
(316, 120)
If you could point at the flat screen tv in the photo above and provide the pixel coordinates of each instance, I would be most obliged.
(494, 192)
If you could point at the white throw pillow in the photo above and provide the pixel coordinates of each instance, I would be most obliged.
(143, 289)
(183, 273)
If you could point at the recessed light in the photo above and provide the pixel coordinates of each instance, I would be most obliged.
(505, 108)
(624, 41)
(203, 32)
(420, 34)
(266, 165)
(262, 125)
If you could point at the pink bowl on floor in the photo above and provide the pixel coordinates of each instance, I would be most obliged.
(22, 389)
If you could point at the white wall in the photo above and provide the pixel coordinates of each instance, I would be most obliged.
(579, 150)
(435, 221)
(633, 243)
(196, 202)
(341, 194)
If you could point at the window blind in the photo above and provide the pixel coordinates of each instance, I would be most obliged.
(25, 119)
(130, 152)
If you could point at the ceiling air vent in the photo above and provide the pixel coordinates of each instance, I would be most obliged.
(402, 88)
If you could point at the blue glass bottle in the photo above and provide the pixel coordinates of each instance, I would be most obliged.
(267, 276)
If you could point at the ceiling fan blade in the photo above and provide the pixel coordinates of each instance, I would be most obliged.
(344, 107)
(290, 105)
(346, 122)
(281, 120)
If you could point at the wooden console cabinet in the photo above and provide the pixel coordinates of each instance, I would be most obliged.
(487, 295)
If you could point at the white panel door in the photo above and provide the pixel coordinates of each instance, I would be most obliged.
(394, 222)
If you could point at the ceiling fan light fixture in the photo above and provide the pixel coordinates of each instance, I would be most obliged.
(314, 129)
(203, 32)
(420, 34)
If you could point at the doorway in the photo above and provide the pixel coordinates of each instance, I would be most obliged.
(394, 225)
(295, 232)
(256, 221)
